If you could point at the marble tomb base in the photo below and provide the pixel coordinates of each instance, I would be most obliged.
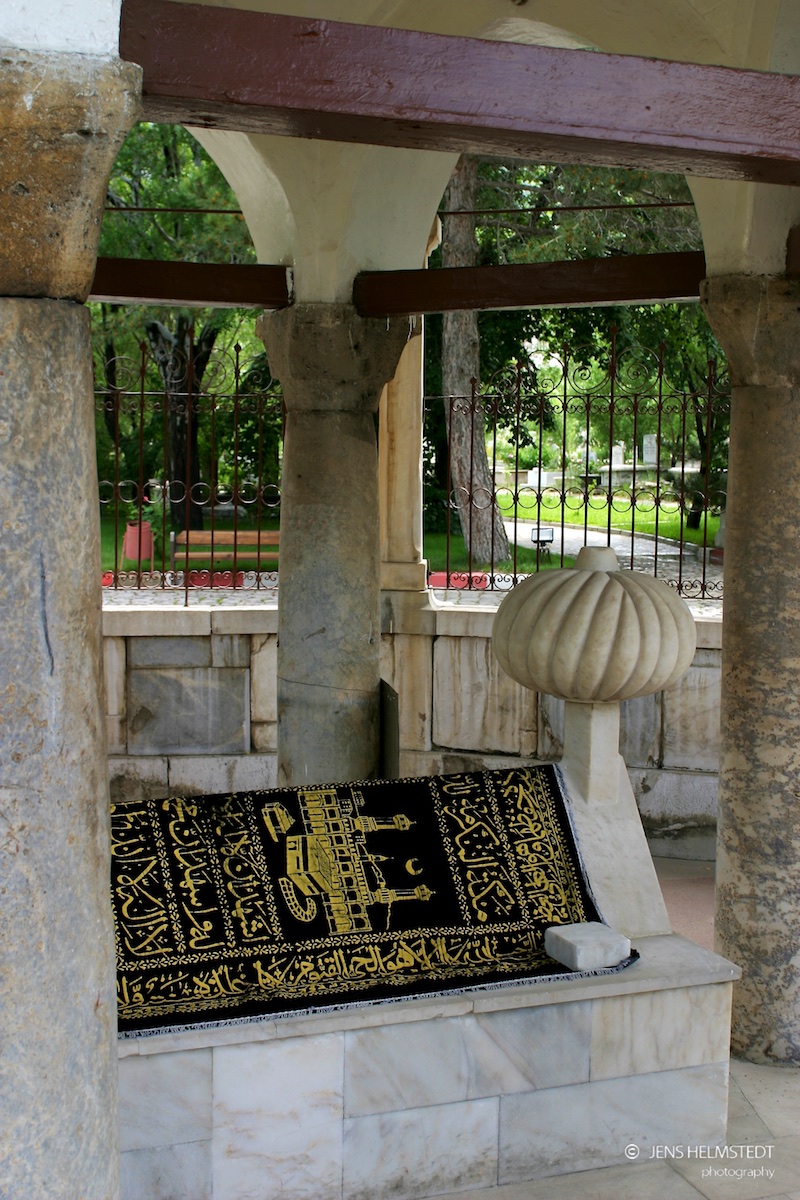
(423, 1097)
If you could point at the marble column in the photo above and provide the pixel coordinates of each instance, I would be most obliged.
(62, 119)
(400, 471)
(757, 320)
(332, 365)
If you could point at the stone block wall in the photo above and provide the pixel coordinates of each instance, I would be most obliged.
(190, 699)
(191, 706)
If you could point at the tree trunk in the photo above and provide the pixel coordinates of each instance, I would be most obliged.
(182, 360)
(471, 481)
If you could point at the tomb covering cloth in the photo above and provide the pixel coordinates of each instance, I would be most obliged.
(265, 903)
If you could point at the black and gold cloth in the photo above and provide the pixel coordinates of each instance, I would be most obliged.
(269, 902)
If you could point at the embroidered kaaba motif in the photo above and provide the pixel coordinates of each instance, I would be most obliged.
(295, 899)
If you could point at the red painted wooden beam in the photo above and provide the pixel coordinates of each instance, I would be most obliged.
(583, 283)
(266, 73)
(191, 285)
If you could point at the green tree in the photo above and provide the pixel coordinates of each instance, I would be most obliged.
(538, 213)
(167, 200)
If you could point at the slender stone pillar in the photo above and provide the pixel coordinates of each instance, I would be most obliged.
(62, 118)
(400, 469)
(757, 320)
(332, 365)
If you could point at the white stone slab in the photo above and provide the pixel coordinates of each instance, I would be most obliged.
(230, 650)
(146, 621)
(189, 710)
(169, 652)
(428, 1063)
(171, 1173)
(114, 675)
(476, 706)
(166, 1100)
(278, 1120)
(676, 799)
(590, 1125)
(640, 730)
(659, 1031)
(407, 665)
(421, 1152)
(586, 946)
(691, 718)
(138, 778)
(549, 1044)
(255, 619)
(709, 633)
(264, 678)
(467, 620)
(264, 737)
(211, 773)
(408, 612)
(116, 730)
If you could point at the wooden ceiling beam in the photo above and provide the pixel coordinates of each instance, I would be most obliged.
(584, 283)
(267, 73)
(191, 285)
(644, 278)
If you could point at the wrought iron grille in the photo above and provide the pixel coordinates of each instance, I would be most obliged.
(560, 451)
(555, 452)
(188, 439)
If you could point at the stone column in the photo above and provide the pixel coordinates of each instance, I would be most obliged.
(62, 119)
(757, 320)
(332, 365)
(400, 470)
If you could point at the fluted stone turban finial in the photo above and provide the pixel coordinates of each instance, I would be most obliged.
(592, 633)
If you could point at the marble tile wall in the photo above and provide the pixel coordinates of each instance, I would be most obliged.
(589, 1125)
(411, 1109)
(278, 1111)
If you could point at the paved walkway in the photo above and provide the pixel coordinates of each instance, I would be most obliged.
(640, 554)
(670, 568)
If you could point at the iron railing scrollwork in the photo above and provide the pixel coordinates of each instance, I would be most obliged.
(581, 451)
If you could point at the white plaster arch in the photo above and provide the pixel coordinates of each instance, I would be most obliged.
(745, 225)
(331, 209)
(264, 202)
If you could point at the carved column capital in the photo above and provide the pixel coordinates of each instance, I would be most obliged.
(757, 321)
(63, 118)
(329, 358)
